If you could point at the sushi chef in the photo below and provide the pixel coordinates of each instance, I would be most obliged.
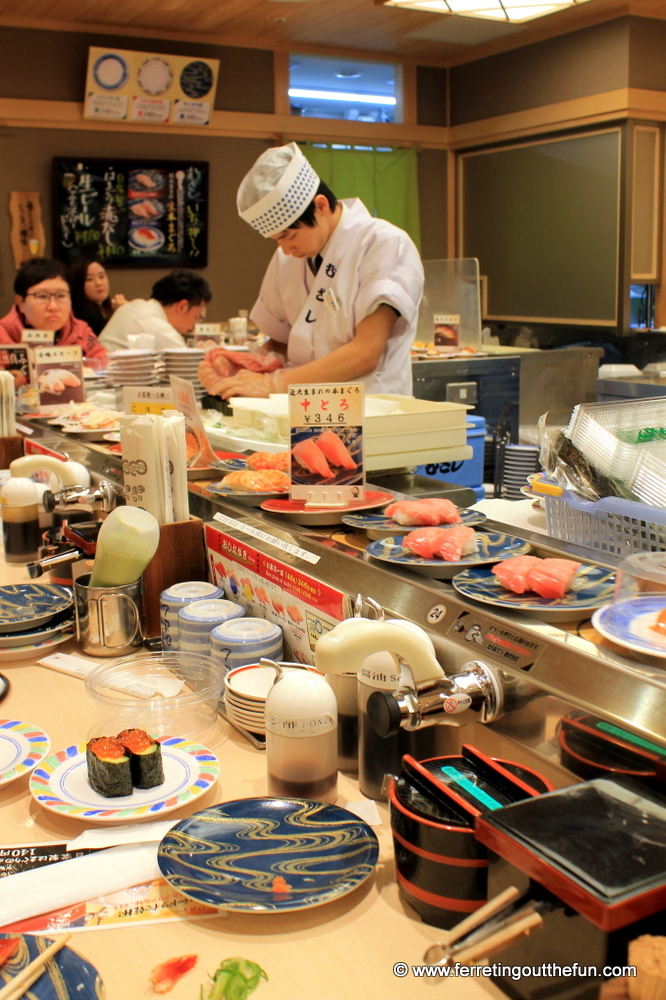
(340, 298)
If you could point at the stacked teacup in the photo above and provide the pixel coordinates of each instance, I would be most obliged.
(245, 640)
(197, 620)
(179, 596)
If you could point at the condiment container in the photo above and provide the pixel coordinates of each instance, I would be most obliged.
(126, 543)
(301, 737)
(19, 504)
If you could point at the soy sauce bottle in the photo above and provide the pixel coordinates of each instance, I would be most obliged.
(302, 737)
(19, 505)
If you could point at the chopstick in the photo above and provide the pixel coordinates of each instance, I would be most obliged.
(26, 977)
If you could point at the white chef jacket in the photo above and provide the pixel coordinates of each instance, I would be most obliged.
(140, 316)
(366, 262)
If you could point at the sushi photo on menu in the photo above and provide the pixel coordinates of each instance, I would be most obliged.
(326, 443)
(59, 375)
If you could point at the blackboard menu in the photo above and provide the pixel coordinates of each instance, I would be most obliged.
(131, 213)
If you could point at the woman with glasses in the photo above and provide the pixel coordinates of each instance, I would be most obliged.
(43, 302)
(91, 296)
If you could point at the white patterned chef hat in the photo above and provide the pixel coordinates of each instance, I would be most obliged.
(277, 190)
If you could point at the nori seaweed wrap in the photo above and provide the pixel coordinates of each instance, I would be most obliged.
(109, 770)
(145, 755)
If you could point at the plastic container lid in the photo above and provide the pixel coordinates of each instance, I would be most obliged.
(19, 492)
(301, 695)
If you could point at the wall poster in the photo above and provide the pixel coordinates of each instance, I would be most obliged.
(142, 213)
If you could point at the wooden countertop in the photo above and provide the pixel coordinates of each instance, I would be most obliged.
(345, 949)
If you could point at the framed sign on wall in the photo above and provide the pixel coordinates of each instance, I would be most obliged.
(141, 213)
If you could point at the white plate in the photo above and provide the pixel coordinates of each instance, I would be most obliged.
(61, 785)
(34, 650)
(629, 623)
(35, 636)
(251, 683)
(22, 747)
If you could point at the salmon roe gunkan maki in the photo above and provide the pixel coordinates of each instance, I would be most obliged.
(145, 757)
(109, 770)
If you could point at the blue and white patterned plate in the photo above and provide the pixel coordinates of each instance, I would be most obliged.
(492, 548)
(250, 499)
(23, 605)
(268, 854)
(66, 976)
(591, 587)
(629, 623)
(233, 464)
(379, 525)
(36, 635)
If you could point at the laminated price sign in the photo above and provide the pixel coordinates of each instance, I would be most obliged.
(59, 374)
(145, 399)
(326, 424)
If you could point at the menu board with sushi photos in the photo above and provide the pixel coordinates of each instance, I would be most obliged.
(149, 87)
(131, 213)
(59, 374)
(326, 427)
(15, 360)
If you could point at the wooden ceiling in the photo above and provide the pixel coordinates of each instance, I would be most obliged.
(327, 26)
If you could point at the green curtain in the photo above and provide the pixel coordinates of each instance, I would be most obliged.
(386, 181)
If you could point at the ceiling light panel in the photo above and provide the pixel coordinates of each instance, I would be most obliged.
(495, 10)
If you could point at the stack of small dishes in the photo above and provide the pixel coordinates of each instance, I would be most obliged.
(132, 367)
(184, 362)
(34, 618)
(245, 693)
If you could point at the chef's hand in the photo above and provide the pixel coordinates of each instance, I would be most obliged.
(247, 383)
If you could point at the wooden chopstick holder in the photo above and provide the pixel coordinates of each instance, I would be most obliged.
(26, 977)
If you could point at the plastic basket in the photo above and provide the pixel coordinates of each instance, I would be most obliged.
(594, 429)
(610, 525)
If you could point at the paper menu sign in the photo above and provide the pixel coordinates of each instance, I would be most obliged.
(147, 399)
(446, 329)
(15, 360)
(29, 336)
(326, 430)
(59, 375)
(199, 452)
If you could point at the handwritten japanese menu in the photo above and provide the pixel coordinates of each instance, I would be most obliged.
(326, 443)
(131, 212)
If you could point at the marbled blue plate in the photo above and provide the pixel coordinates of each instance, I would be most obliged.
(240, 855)
(250, 499)
(36, 635)
(629, 623)
(233, 464)
(66, 976)
(23, 605)
(492, 548)
(591, 587)
(384, 525)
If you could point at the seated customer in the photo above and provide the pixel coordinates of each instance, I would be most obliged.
(43, 302)
(177, 303)
(91, 297)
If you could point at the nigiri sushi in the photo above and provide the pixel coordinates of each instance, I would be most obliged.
(457, 542)
(412, 512)
(264, 460)
(309, 456)
(265, 481)
(514, 573)
(552, 577)
(423, 542)
(335, 452)
(423, 512)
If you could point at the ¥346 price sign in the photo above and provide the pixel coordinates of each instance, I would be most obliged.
(326, 424)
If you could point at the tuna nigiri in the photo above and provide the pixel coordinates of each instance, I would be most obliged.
(514, 573)
(413, 512)
(552, 577)
(308, 455)
(423, 542)
(457, 542)
(448, 512)
(334, 450)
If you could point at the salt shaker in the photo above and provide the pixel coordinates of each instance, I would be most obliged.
(302, 737)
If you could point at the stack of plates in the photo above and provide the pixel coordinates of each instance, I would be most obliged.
(245, 693)
(513, 464)
(184, 362)
(34, 618)
(132, 368)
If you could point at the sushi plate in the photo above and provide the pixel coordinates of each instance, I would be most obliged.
(66, 976)
(36, 635)
(24, 605)
(379, 525)
(631, 623)
(60, 784)
(232, 855)
(297, 512)
(34, 650)
(492, 548)
(350, 438)
(22, 747)
(250, 499)
(592, 586)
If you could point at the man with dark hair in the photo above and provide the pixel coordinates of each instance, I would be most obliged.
(177, 302)
(43, 302)
(340, 298)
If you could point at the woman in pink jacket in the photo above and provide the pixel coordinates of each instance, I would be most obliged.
(42, 302)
